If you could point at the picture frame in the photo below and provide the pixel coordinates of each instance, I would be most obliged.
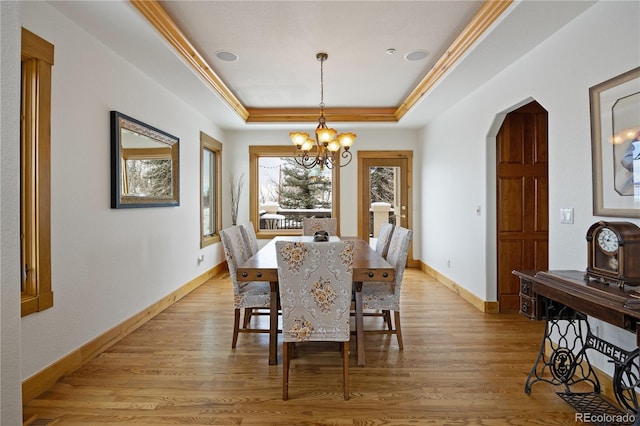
(615, 155)
(144, 165)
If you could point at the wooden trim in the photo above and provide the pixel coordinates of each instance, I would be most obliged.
(215, 146)
(310, 115)
(157, 16)
(37, 58)
(36, 47)
(487, 307)
(47, 377)
(489, 13)
(386, 154)
(390, 158)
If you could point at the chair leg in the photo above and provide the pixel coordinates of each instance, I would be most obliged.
(387, 318)
(285, 370)
(345, 369)
(236, 325)
(398, 329)
(247, 317)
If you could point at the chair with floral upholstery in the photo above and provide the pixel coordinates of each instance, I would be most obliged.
(385, 296)
(384, 238)
(246, 295)
(311, 225)
(315, 281)
(250, 239)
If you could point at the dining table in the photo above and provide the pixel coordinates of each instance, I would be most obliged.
(368, 265)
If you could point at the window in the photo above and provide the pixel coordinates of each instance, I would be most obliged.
(210, 189)
(35, 174)
(282, 192)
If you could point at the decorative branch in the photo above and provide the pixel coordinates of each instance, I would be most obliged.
(236, 189)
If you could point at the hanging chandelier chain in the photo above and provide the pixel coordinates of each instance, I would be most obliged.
(322, 59)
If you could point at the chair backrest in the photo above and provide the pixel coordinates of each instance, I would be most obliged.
(384, 238)
(398, 252)
(250, 238)
(236, 252)
(315, 282)
(310, 225)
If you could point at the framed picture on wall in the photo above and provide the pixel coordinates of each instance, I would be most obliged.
(615, 145)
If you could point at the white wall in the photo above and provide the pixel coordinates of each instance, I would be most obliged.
(459, 152)
(108, 264)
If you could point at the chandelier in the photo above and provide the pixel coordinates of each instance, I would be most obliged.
(327, 144)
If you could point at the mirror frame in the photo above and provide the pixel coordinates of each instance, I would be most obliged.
(119, 122)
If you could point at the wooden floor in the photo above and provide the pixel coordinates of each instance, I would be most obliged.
(459, 367)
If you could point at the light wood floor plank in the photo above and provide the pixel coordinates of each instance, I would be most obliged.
(458, 367)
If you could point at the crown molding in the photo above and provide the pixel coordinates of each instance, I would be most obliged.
(490, 11)
(285, 115)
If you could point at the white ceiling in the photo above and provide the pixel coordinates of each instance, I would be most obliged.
(277, 42)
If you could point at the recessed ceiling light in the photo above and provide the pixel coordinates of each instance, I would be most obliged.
(390, 51)
(416, 55)
(225, 56)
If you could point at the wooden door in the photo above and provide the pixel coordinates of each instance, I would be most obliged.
(398, 165)
(522, 198)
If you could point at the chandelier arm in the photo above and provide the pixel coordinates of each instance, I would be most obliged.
(346, 155)
(303, 159)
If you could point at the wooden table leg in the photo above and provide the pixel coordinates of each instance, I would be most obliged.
(273, 325)
(359, 324)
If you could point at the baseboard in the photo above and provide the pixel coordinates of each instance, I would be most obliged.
(483, 305)
(47, 377)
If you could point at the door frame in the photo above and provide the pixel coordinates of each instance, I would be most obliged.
(400, 158)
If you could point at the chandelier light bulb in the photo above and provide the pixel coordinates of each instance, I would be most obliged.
(298, 138)
(346, 140)
(326, 135)
(307, 144)
(333, 146)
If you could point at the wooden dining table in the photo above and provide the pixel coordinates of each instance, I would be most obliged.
(368, 265)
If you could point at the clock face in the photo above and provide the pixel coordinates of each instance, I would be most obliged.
(608, 241)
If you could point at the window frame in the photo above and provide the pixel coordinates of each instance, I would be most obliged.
(210, 144)
(257, 151)
(35, 173)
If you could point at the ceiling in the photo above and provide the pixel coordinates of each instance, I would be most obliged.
(276, 78)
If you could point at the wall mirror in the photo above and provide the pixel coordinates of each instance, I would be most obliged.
(144, 165)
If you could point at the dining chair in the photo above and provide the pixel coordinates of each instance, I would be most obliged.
(311, 225)
(250, 239)
(315, 285)
(246, 295)
(384, 238)
(385, 296)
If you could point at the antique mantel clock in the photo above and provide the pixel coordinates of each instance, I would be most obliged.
(614, 253)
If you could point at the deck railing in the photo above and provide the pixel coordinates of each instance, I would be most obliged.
(292, 218)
